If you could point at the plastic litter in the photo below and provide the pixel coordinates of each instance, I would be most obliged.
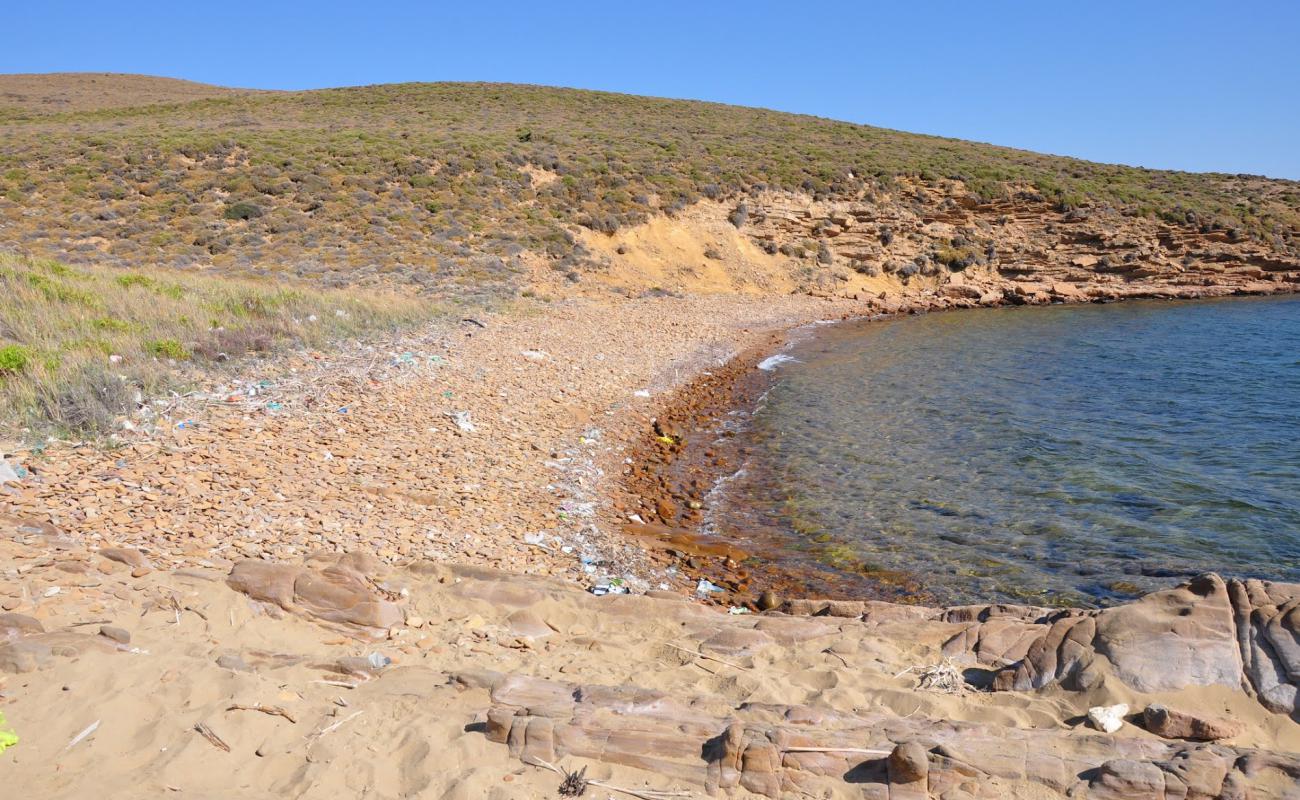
(462, 420)
(7, 473)
(185, 423)
(578, 509)
(378, 660)
(640, 393)
(534, 355)
(602, 589)
(705, 586)
(7, 737)
(737, 610)
(273, 406)
(343, 410)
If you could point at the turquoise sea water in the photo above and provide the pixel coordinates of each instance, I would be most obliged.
(1075, 454)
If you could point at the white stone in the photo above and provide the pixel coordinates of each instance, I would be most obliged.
(1108, 718)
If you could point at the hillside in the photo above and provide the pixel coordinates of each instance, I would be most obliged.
(64, 92)
(477, 189)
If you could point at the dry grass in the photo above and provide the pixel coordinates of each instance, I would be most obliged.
(80, 346)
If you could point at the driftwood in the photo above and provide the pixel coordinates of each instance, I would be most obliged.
(211, 736)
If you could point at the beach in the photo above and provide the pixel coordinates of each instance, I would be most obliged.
(177, 618)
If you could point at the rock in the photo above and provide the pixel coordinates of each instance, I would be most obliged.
(38, 651)
(1125, 779)
(1108, 718)
(233, 661)
(526, 623)
(1176, 638)
(1062, 655)
(1163, 721)
(119, 635)
(13, 626)
(23, 656)
(339, 589)
(778, 751)
(1205, 632)
(125, 555)
(908, 763)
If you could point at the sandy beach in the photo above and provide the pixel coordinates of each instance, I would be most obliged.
(177, 619)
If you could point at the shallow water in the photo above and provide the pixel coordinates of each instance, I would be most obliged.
(1078, 454)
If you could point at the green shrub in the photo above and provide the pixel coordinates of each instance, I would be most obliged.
(113, 325)
(14, 358)
(242, 211)
(167, 348)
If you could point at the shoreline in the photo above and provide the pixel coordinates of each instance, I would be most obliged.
(678, 477)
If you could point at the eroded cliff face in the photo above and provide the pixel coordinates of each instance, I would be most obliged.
(940, 247)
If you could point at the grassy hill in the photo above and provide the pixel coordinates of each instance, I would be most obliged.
(450, 186)
(149, 227)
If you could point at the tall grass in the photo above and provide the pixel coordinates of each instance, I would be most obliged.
(79, 346)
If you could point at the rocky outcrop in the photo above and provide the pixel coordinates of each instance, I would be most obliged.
(1020, 250)
(1205, 632)
(773, 750)
(332, 588)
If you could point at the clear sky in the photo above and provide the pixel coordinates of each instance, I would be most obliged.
(1187, 85)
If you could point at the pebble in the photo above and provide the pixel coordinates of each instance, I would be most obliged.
(119, 635)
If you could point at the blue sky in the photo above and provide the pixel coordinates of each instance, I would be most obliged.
(1184, 85)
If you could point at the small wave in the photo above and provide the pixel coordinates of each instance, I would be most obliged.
(772, 362)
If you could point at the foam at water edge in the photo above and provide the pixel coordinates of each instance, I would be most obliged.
(772, 362)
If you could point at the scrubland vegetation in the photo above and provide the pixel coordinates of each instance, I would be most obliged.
(444, 185)
(79, 346)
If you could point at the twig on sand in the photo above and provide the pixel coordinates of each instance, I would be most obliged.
(89, 729)
(861, 751)
(842, 659)
(90, 622)
(275, 711)
(644, 794)
(330, 729)
(344, 684)
(207, 733)
(706, 655)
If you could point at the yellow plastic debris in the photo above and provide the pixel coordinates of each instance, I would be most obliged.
(7, 738)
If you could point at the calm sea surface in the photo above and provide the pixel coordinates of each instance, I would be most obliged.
(1076, 454)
